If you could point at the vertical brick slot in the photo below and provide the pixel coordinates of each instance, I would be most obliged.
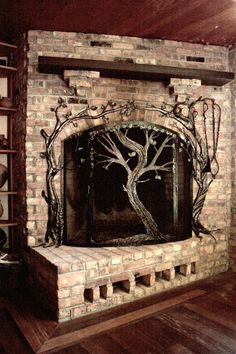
(126, 285)
(88, 295)
(158, 275)
(193, 268)
(103, 291)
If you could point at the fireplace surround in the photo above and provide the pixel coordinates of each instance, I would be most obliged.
(143, 151)
(73, 281)
(124, 268)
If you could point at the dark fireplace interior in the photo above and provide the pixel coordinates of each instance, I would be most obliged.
(125, 183)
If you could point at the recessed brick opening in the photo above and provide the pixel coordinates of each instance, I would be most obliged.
(182, 269)
(167, 274)
(88, 295)
(193, 268)
(121, 286)
(144, 280)
(103, 291)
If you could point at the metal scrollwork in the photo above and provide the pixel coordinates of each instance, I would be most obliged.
(196, 122)
(55, 223)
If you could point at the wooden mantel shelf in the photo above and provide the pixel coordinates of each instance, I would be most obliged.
(124, 70)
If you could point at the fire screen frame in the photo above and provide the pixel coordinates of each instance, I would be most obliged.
(191, 122)
(130, 160)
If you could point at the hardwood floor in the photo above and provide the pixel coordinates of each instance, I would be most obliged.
(199, 318)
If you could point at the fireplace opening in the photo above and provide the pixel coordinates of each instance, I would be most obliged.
(126, 184)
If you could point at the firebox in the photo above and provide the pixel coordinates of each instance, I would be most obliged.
(126, 184)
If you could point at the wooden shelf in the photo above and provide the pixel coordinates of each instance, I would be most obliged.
(6, 71)
(6, 223)
(6, 49)
(7, 151)
(7, 193)
(123, 70)
(4, 111)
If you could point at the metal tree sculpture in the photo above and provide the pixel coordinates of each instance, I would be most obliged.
(146, 162)
(198, 123)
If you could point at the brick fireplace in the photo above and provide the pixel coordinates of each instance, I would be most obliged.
(73, 281)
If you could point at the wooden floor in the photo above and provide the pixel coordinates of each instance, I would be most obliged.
(200, 318)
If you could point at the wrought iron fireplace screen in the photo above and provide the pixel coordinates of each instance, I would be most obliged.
(133, 185)
(197, 124)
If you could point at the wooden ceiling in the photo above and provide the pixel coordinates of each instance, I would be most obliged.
(197, 21)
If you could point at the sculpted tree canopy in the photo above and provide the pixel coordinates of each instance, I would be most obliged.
(141, 159)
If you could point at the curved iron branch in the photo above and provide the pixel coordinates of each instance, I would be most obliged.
(55, 223)
(197, 131)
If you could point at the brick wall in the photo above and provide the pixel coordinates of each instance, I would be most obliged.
(44, 89)
(54, 272)
(232, 249)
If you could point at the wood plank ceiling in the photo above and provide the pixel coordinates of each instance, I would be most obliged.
(197, 21)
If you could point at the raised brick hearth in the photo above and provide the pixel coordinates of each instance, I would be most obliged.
(73, 281)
